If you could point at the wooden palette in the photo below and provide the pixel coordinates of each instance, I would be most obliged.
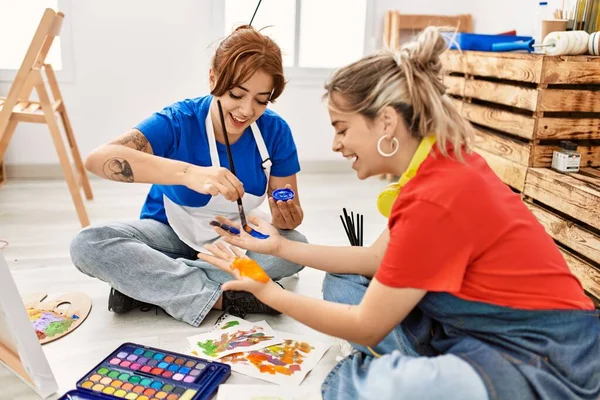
(51, 319)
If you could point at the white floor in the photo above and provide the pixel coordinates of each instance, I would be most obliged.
(38, 220)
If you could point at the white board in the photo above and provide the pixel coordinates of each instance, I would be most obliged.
(20, 349)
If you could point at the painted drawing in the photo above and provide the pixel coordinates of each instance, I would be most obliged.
(286, 363)
(232, 338)
(227, 321)
(230, 324)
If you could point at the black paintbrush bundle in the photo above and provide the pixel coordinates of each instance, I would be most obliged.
(354, 231)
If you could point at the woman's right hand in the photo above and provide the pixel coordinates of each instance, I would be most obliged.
(270, 246)
(213, 181)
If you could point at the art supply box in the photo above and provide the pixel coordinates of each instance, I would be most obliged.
(137, 372)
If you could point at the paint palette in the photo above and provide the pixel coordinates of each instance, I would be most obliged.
(136, 372)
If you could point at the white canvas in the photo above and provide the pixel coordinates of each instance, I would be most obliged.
(17, 338)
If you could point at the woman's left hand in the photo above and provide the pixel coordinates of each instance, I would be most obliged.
(286, 214)
(222, 258)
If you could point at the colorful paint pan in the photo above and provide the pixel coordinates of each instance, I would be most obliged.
(136, 372)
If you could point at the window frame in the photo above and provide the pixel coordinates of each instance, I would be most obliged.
(305, 76)
(67, 73)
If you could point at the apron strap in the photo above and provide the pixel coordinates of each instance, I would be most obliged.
(262, 148)
(260, 143)
(212, 142)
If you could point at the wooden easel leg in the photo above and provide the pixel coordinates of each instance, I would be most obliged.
(62, 110)
(4, 139)
(62, 152)
(84, 180)
(6, 136)
(2, 173)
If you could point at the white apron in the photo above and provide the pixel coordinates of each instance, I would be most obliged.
(192, 224)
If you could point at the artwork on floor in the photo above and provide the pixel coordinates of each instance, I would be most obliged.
(231, 336)
(285, 363)
(267, 392)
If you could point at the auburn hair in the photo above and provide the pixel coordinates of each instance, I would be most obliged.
(241, 54)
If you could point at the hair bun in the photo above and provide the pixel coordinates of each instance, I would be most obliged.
(243, 27)
(425, 51)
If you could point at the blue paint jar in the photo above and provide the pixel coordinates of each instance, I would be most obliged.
(284, 194)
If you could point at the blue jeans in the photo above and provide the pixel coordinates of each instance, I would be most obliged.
(401, 373)
(452, 348)
(145, 260)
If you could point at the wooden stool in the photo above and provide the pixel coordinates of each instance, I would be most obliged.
(17, 107)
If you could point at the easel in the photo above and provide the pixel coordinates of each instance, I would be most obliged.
(20, 349)
(17, 107)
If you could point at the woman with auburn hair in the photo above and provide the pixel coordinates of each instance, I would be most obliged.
(181, 151)
(464, 295)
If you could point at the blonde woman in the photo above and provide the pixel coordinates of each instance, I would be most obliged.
(464, 295)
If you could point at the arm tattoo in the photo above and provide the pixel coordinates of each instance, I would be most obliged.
(135, 140)
(118, 169)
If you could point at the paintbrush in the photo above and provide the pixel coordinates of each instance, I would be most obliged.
(353, 230)
(245, 225)
(225, 227)
(231, 166)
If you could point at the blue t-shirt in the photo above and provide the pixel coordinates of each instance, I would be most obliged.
(178, 132)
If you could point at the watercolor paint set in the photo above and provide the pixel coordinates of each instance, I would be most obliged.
(136, 372)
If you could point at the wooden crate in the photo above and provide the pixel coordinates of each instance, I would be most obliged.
(568, 206)
(523, 105)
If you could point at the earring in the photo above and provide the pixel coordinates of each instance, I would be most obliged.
(394, 147)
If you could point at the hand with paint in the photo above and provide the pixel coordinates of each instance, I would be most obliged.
(270, 245)
(250, 276)
(250, 268)
(213, 181)
(286, 214)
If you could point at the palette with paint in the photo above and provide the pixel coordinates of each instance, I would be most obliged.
(137, 372)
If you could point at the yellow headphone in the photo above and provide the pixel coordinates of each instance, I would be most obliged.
(386, 199)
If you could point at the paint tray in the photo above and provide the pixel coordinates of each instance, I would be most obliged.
(135, 371)
(483, 42)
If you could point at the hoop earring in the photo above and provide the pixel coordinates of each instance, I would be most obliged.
(394, 147)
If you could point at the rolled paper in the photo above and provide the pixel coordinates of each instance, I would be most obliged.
(593, 43)
(250, 269)
(583, 39)
(566, 43)
(556, 43)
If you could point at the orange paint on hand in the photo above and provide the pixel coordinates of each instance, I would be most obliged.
(251, 269)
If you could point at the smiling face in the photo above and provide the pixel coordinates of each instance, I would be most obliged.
(356, 138)
(243, 104)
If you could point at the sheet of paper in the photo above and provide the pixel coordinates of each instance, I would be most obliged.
(232, 338)
(286, 363)
(267, 392)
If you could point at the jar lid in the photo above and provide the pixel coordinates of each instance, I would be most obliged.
(284, 194)
(565, 144)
